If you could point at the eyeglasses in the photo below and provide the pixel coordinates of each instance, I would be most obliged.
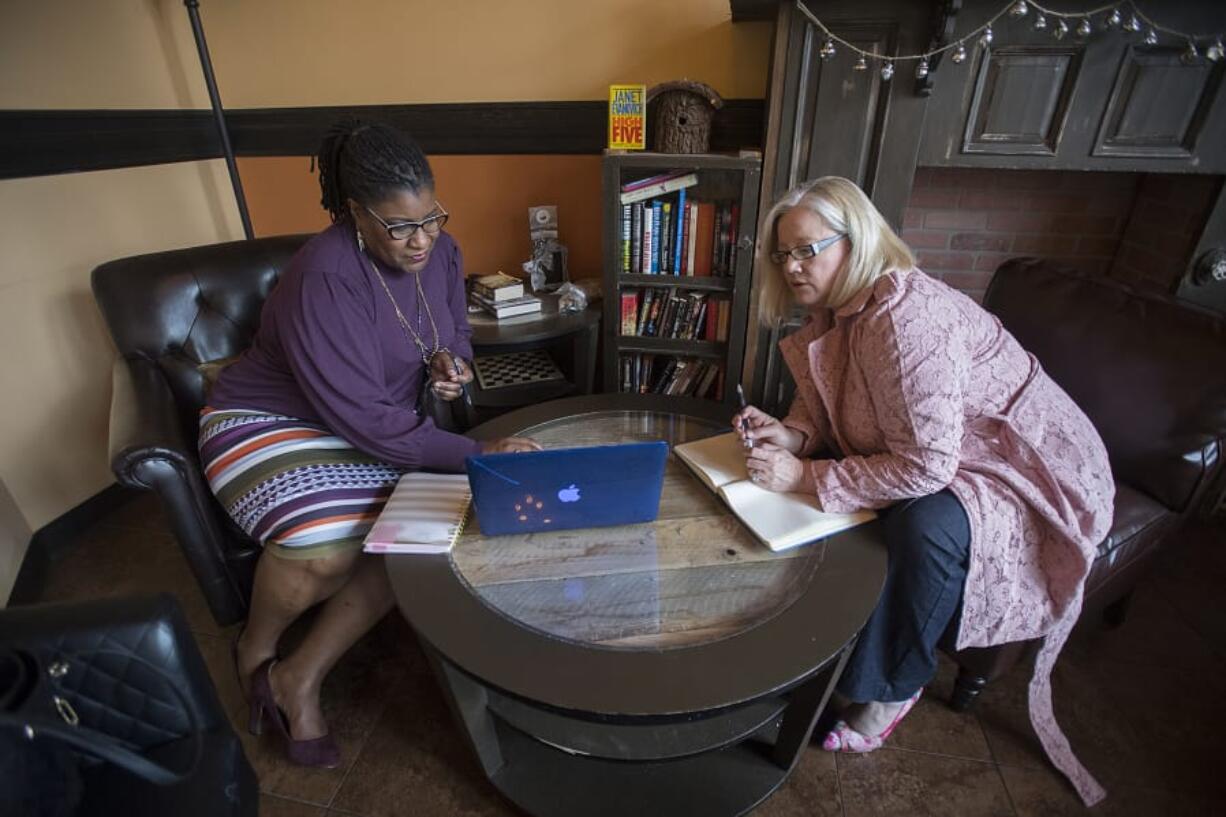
(805, 251)
(401, 230)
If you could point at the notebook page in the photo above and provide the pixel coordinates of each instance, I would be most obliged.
(424, 514)
(717, 460)
(785, 520)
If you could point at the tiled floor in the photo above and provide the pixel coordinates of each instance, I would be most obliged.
(1144, 705)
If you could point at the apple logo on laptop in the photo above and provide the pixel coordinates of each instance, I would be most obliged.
(570, 494)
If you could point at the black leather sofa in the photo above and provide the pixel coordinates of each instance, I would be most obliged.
(1150, 372)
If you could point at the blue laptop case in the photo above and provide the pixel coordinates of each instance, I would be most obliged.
(565, 488)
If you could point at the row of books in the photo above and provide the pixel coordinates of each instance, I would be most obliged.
(675, 235)
(671, 375)
(659, 313)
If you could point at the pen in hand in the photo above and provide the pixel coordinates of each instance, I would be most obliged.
(455, 364)
(740, 396)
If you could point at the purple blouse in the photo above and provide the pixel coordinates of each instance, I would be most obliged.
(331, 350)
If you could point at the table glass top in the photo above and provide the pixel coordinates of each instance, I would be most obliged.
(693, 576)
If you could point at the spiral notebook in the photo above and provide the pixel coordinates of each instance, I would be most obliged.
(424, 514)
(779, 520)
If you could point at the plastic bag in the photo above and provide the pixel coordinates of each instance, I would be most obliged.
(574, 297)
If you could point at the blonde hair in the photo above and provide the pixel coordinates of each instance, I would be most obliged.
(874, 248)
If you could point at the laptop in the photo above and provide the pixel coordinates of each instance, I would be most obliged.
(566, 488)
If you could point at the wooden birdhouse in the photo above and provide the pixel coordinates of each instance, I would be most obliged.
(682, 114)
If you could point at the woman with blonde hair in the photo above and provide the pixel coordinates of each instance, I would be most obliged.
(911, 399)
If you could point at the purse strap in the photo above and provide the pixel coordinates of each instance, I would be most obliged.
(34, 725)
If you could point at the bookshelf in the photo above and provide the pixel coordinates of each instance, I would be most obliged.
(689, 286)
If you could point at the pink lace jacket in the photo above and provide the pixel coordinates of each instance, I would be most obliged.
(916, 388)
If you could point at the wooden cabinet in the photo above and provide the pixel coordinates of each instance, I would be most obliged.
(700, 348)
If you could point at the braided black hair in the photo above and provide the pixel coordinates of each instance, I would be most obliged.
(368, 162)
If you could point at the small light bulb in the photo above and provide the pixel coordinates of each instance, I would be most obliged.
(1083, 28)
(887, 71)
(959, 55)
(1151, 37)
(1113, 19)
(861, 64)
(1019, 10)
(1060, 30)
(1040, 23)
(921, 70)
(827, 50)
(1133, 23)
(985, 39)
(1191, 56)
(1215, 52)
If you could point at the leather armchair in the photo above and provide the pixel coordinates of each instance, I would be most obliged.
(168, 313)
(1150, 373)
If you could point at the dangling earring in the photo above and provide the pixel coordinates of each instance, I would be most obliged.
(361, 241)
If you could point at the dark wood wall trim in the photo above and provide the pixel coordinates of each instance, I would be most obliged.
(39, 143)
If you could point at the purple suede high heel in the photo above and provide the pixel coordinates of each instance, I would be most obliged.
(321, 752)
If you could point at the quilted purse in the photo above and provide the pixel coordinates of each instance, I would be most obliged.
(132, 700)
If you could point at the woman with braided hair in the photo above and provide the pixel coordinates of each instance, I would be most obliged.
(306, 434)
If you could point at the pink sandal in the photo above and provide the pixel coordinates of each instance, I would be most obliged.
(842, 738)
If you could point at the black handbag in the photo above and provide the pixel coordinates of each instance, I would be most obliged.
(39, 699)
(106, 707)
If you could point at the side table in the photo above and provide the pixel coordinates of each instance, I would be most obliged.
(569, 338)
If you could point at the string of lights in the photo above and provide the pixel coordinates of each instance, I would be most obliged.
(1120, 16)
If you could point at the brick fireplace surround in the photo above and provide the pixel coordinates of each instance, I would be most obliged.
(1137, 227)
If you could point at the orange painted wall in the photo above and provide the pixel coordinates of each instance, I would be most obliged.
(488, 198)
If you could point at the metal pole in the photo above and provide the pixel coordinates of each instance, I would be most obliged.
(219, 115)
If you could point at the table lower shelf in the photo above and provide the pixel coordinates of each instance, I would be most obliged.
(546, 781)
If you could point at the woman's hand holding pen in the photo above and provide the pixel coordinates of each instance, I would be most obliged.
(753, 425)
(448, 375)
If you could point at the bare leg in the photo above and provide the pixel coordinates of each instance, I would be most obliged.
(363, 600)
(283, 590)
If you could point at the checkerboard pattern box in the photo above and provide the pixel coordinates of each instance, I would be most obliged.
(515, 369)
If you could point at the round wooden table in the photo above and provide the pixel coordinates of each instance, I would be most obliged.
(674, 667)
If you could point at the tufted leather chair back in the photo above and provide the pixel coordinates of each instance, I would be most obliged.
(1149, 371)
(182, 308)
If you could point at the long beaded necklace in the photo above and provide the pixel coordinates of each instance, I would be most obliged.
(413, 334)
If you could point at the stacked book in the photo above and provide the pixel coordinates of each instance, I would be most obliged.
(666, 231)
(662, 374)
(659, 313)
(503, 296)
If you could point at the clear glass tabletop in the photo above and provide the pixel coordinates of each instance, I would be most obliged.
(693, 576)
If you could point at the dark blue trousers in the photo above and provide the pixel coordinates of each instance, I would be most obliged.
(928, 540)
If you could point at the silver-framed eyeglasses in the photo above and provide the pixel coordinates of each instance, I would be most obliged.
(402, 230)
(804, 252)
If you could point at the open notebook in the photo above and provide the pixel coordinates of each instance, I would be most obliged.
(781, 521)
(424, 514)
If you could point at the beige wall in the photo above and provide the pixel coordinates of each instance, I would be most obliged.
(55, 353)
(14, 534)
(98, 54)
(55, 380)
(315, 52)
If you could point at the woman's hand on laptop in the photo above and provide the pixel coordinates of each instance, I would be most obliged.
(508, 445)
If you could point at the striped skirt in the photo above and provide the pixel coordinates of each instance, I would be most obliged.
(293, 486)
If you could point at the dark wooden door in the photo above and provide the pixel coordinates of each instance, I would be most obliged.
(825, 118)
